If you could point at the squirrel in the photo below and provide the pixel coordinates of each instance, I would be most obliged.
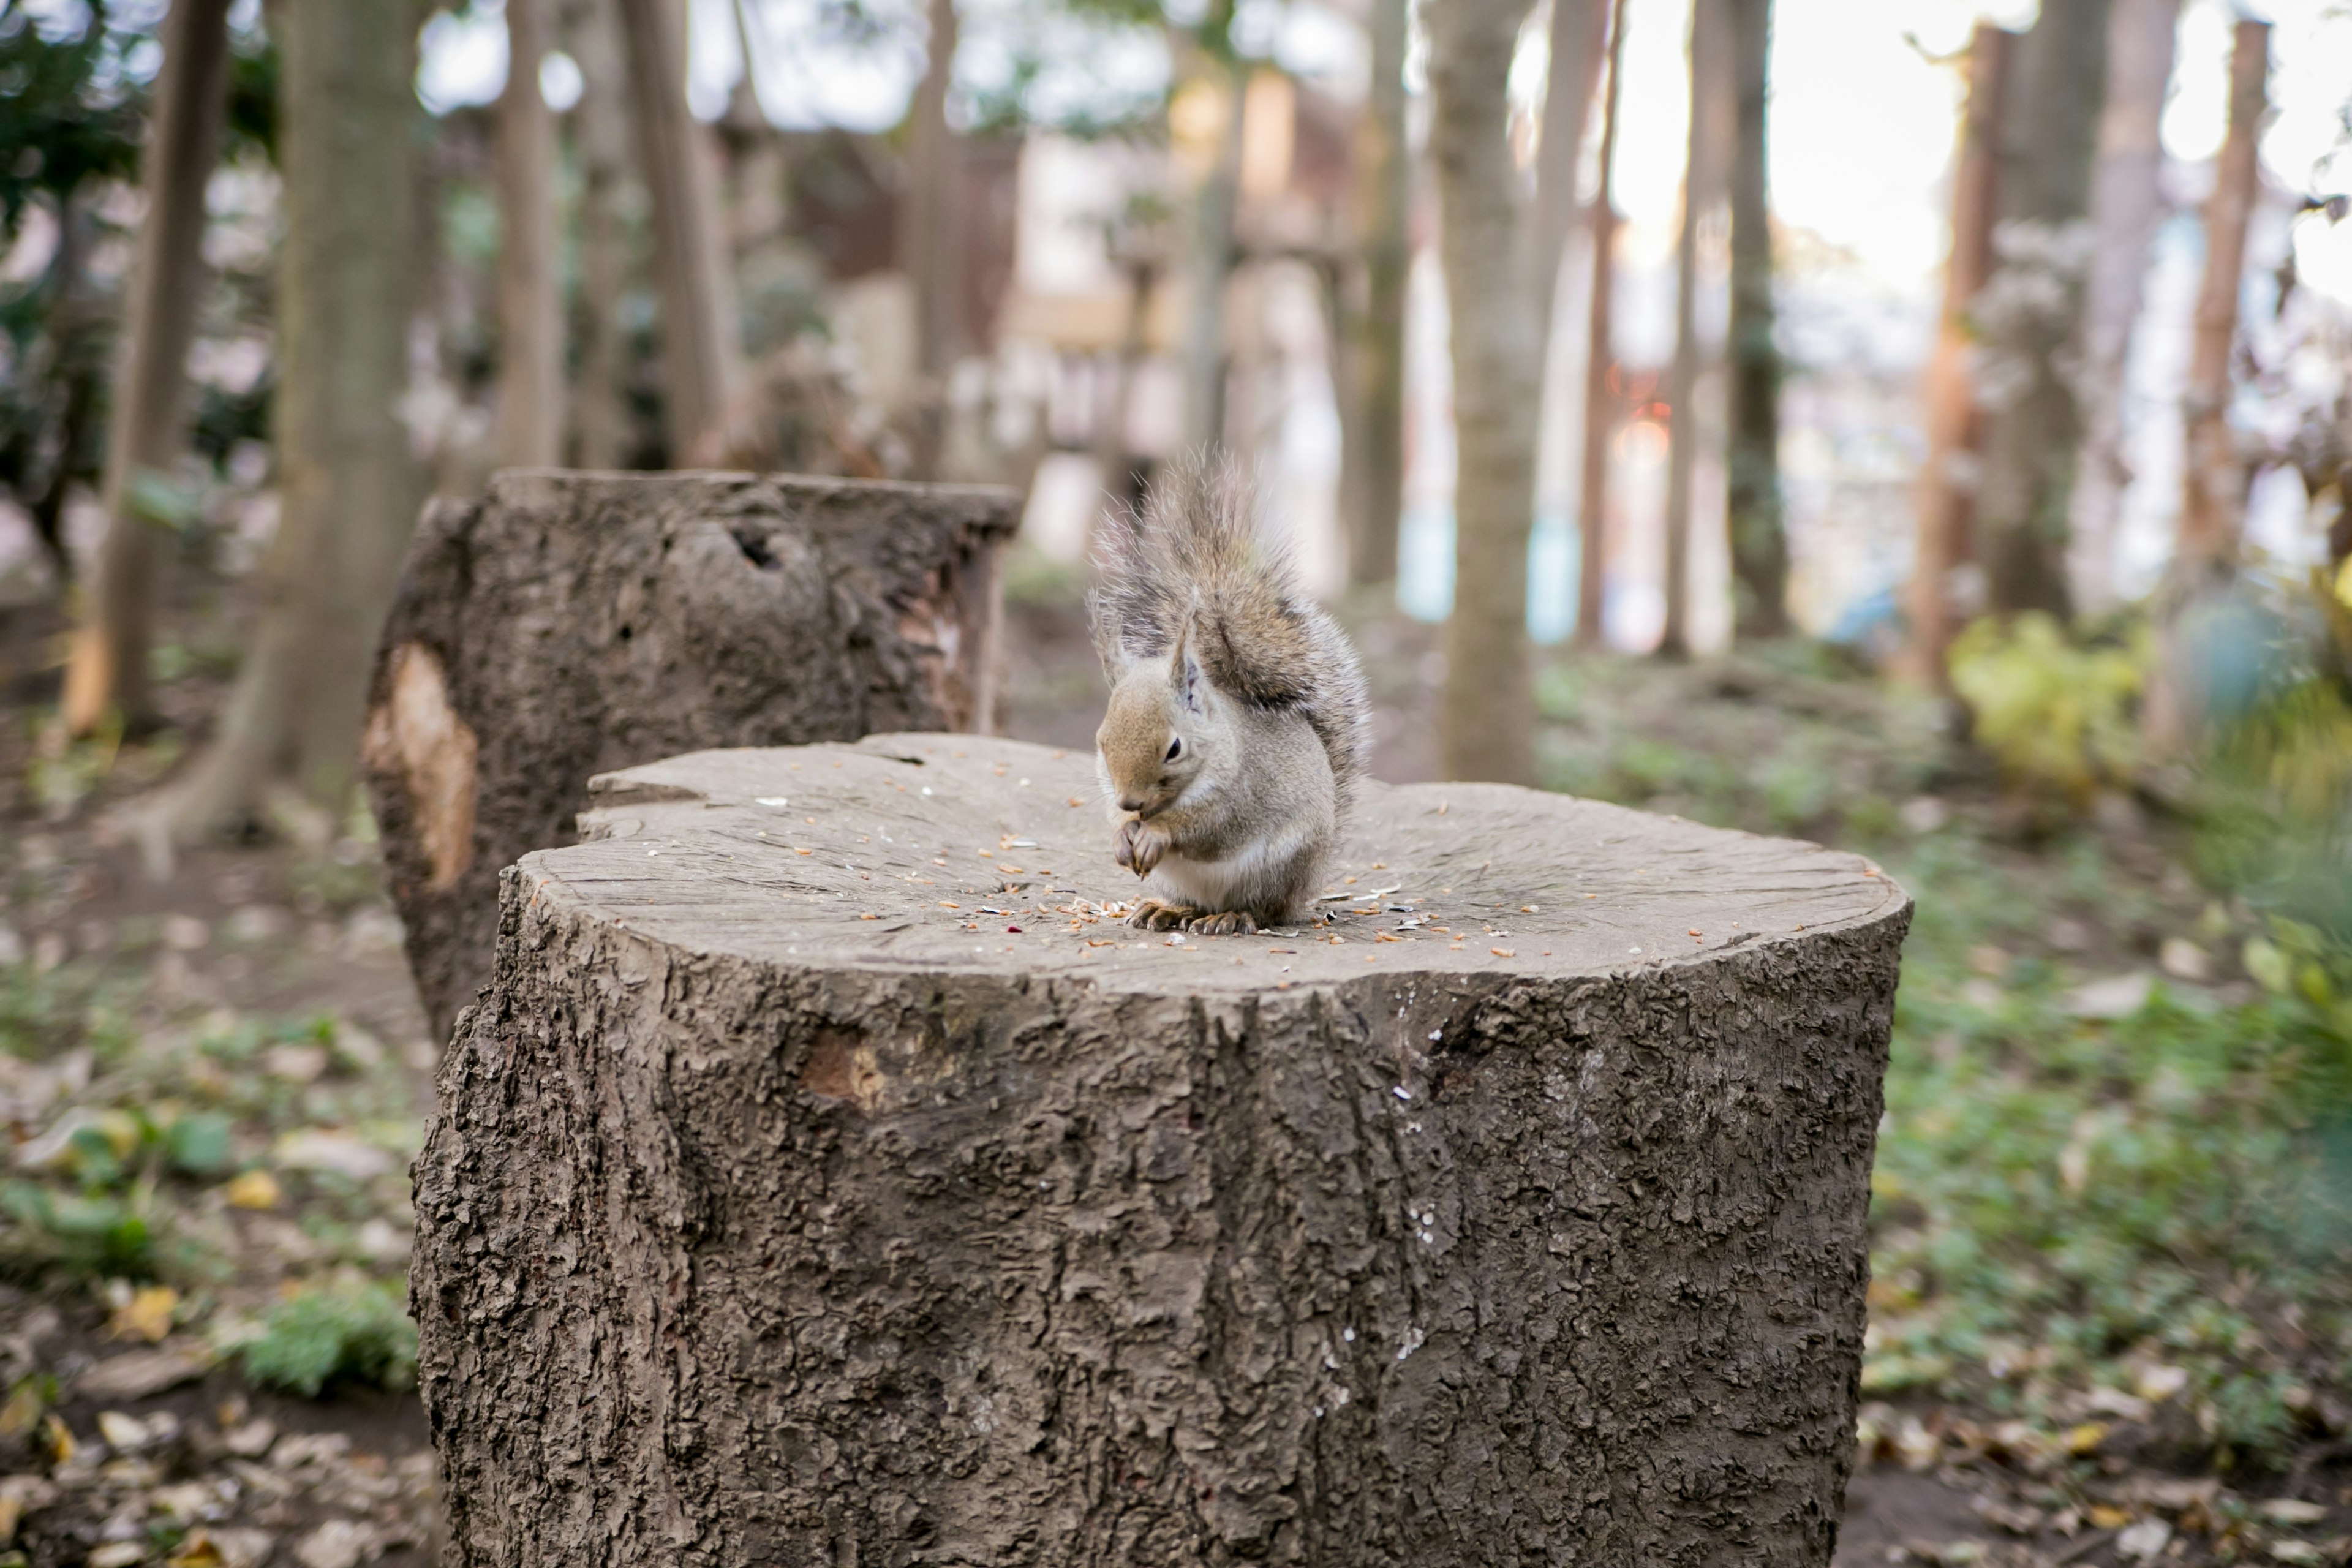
(1237, 725)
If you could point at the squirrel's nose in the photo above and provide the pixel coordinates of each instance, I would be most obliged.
(1131, 803)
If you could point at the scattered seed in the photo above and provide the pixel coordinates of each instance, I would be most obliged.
(1504, 952)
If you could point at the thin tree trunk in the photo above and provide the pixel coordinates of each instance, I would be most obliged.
(2126, 204)
(1374, 445)
(530, 285)
(1600, 404)
(928, 239)
(701, 354)
(1498, 369)
(1579, 42)
(600, 130)
(108, 668)
(2032, 313)
(1947, 479)
(2214, 478)
(349, 495)
(1760, 543)
(1702, 190)
(756, 169)
(63, 369)
(2214, 492)
(1213, 262)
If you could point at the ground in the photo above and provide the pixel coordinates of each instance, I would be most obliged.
(2110, 1296)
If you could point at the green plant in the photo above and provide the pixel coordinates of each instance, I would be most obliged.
(2058, 717)
(347, 1329)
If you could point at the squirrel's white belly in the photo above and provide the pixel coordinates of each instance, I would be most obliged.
(1263, 877)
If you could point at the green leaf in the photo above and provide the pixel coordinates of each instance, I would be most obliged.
(199, 1144)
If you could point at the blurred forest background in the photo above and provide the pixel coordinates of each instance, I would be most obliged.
(1923, 425)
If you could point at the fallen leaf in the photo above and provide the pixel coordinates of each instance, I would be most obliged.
(337, 1153)
(2294, 1511)
(136, 1375)
(338, 1544)
(196, 1551)
(147, 1315)
(116, 1554)
(251, 1440)
(295, 1064)
(2106, 1517)
(254, 1190)
(124, 1433)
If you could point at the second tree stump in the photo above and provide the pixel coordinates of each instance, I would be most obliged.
(827, 1181)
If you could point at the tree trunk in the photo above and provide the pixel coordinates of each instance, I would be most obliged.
(347, 484)
(701, 354)
(2214, 492)
(1600, 359)
(1578, 40)
(2126, 206)
(1759, 541)
(566, 624)
(1935, 600)
(601, 131)
(529, 282)
(1374, 442)
(109, 667)
(2213, 476)
(1488, 730)
(1702, 190)
(929, 253)
(885, 1203)
(2032, 313)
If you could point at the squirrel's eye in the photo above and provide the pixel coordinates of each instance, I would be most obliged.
(1175, 748)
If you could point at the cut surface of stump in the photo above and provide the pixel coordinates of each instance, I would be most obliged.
(826, 1178)
(569, 624)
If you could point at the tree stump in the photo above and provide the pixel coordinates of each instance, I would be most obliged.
(569, 624)
(824, 1181)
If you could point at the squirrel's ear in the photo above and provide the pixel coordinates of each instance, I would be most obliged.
(1184, 667)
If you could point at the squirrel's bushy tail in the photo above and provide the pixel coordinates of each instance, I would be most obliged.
(1194, 552)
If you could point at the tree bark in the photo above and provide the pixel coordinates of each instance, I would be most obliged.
(1374, 443)
(1487, 732)
(929, 249)
(347, 483)
(1933, 599)
(2213, 489)
(2126, 206)
(1702, 192)
(109, 668)
(701, 351)
(529, 281)
(568, 623)
(602, 135)
(871, 1206)
(2030, 314)
(1600, 359)
(1760, 540)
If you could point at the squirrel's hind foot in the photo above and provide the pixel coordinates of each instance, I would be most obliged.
(1158, 914)
(1232, 922)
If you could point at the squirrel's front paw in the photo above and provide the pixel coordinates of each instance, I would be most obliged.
(1158, 914)
(1140, 845)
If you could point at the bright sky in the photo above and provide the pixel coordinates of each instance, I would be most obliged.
(1863, 117)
